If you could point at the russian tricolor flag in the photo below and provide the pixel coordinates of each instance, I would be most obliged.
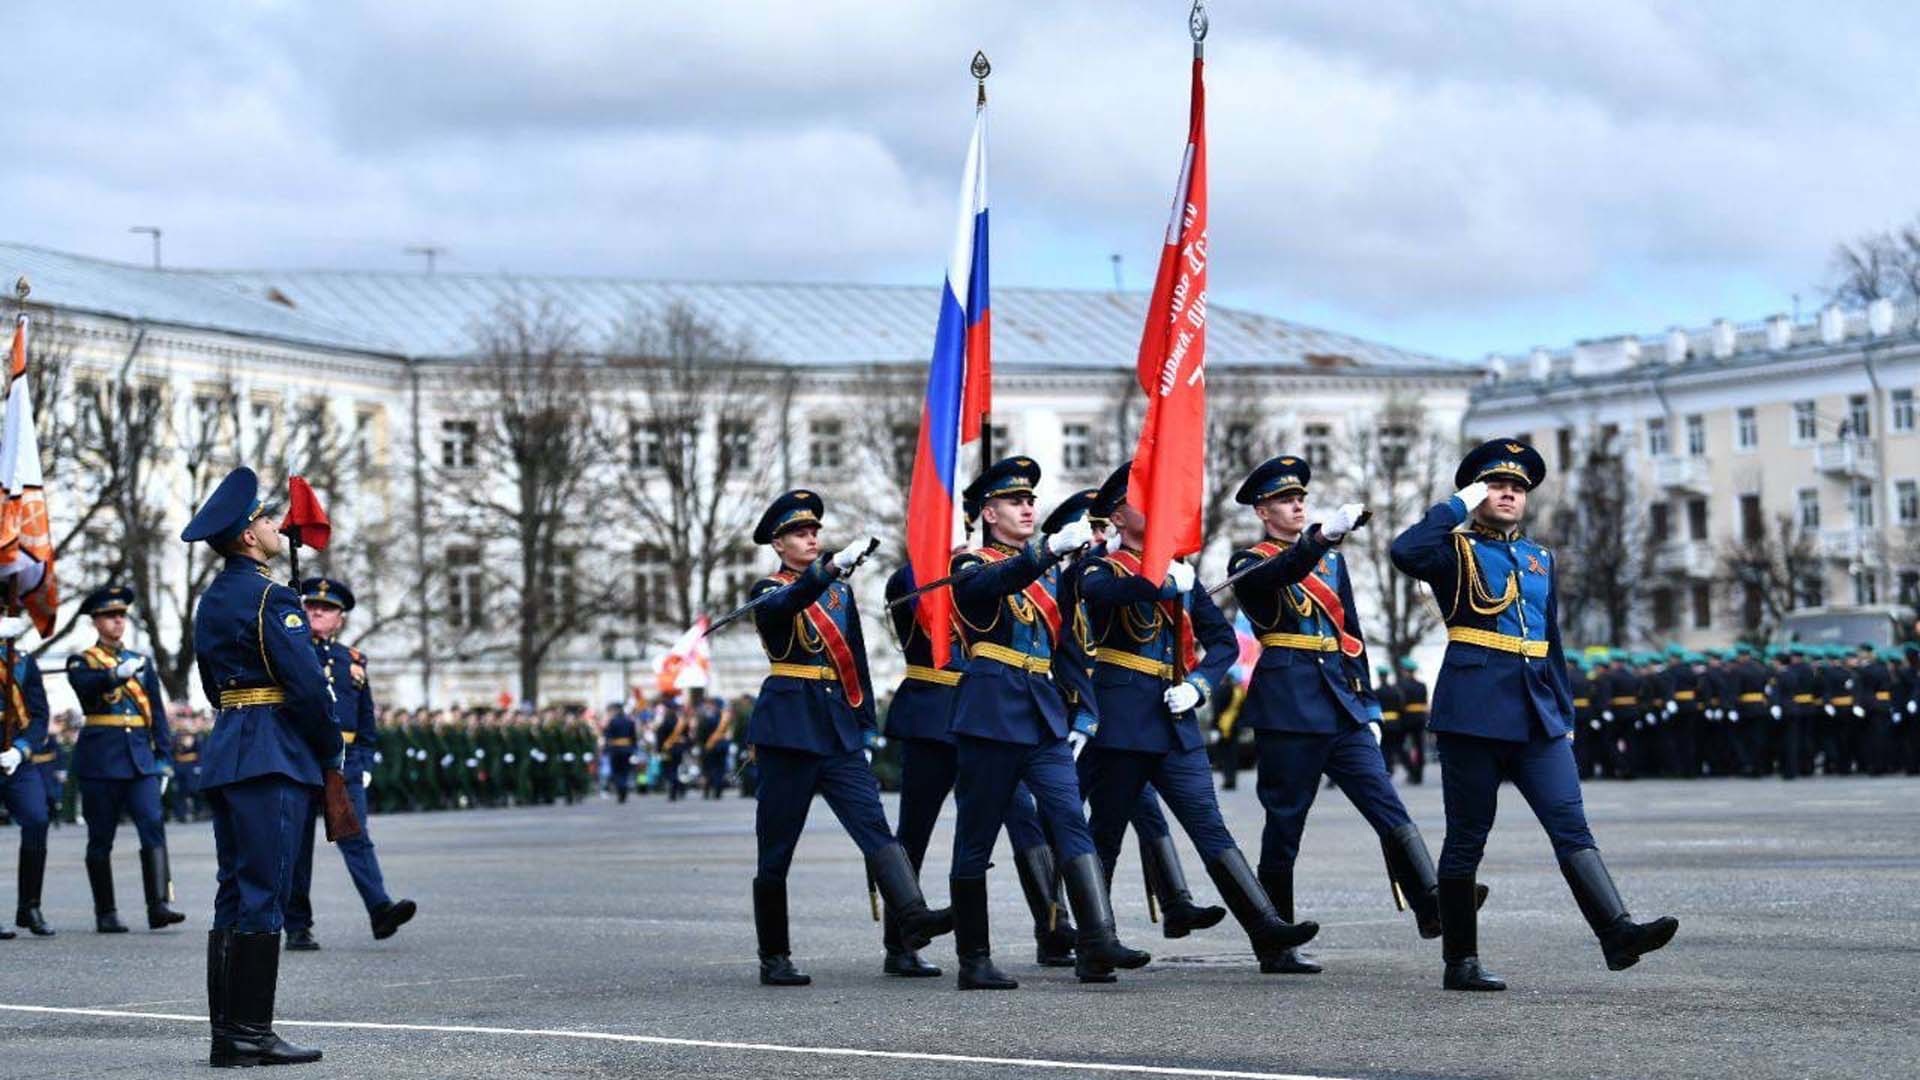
(958, 398)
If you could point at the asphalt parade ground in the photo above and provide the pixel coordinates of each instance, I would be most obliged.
(614, 941)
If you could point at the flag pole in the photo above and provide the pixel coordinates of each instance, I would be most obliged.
(980, 69)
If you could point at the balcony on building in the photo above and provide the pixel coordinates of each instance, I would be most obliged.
(1687, 475)
(1850, 544)
(1684, 558)
(1847, 457)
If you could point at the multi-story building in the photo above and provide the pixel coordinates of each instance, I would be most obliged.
(377, 383)
(1783, 444)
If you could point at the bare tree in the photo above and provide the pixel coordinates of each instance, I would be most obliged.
(1771, 568)
(1239, 437)
(1877, 265)
(1599, 529)
(1397, 469)
(885, 415)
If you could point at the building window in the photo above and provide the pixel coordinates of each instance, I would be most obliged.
(1753, 524)
(1696, 519)
(1564, 437)
(1696, 436)
(1396, 445)
(1859, 417)
(1906, 502)
(1002, 441)
(1702, 606)
(466, 596)
(1901, 408)
(1657, 443)
(559, 598)
(1810, 591)
(737, 576)
(736, 445)
(1076, 446)
(264, 418)
(458, 440)
(1664, 615)
(652, 585)
(1751, 608)
(1910, 587)
(825, 446)
(1319, 440)
(905, 442)
(1861, 505)
(1659, 523)
(1806, 423)
(1809, 504)
(1746, 430)
(1866, 587)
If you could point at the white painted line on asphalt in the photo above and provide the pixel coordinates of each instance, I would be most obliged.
(443, 982)
(715, 1044)
(139, 1004)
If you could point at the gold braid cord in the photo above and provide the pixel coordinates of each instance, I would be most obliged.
(1478, 598)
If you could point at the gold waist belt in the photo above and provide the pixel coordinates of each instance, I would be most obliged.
(1307, 642)
(805, 671)
(258, 695)
(115, 720)
(1135, 662)
(937, 676)
(1487, 639)
(987, 650)
(1753, 698)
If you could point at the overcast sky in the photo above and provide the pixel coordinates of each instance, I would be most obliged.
(1449, 175)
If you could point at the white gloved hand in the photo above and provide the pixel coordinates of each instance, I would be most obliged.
(1181, 575)
(1672, 707)
(1473, 494)
(843, 559)
(867, 752)
(366, 781)
(1607, 715)
(1343, 521)
(1775, 710)
(1076, 742)
(166, 781)
(127, 669)
(1074, 534)
(1860, 712)
(13, 626)
(1378, 737)
(1829, 710)
(1912, 707)
(10, 759)
(1181, 697)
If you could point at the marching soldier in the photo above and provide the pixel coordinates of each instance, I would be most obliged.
(809, 730)
(1150, 679)
(1393, 737)
(1010, 724)
(121, 759)
(327, 602)
(1586, 721)
(1413, 717)
(1686, 673)
(24, 718)
(261, 766)
(1502, 708)
(715, 740)
(1311, 704)
(619, 740)
(1873, 695)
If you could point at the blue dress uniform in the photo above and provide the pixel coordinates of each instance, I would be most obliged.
(346, 671)
(1010, 725)
(118, 760)
(1311, 705)
(809, 729)
(260, 768)
(1153, 637)
(621, 737)
(24, 731)
(1503, 710)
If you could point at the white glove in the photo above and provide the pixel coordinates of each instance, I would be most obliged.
(1672, 707)
(1607, 715)
(1860, 712)
(1829, 710)
(1076, 742)
(843, 558)
(1181, 575)
(10, 759)
(1375, 728)
(1343, 521)
(127, 669)
(1912, 707)
(867, 752)
(1473, 494)
(13, 626)
(165, 782)
(366, 781)
(1074, 534)
(1775, 710)
(1181, 697)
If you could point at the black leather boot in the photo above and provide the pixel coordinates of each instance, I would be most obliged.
(770, 925)
(970, 938)
(106, 916)
(1460, 938)
(900, 888)
(1278, 885)
(1622, 940)
(1053, 931)
(33, 871)
(900, 959)
(390, 917)
(1271, 935)
(243, 971)
(302, 940)
(1097, 949)
(157, 880)
(1179, 915)
(1410, 867)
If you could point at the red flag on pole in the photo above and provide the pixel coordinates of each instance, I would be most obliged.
(306, 519)
(1168, 480)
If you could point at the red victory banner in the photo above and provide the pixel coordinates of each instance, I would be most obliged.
(1168, 480)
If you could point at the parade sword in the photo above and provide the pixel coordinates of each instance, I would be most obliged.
(1365, 516)
(745, 609)
(961, 575)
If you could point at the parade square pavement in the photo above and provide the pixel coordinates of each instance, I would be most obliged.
(613, 941)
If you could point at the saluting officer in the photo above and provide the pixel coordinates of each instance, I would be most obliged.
(327, 602)
(1010, 724)
(24, 719)
(1311, 702)
(261, 766)
(1502, 708)
(809, 729)
(121, 756)
(1163, 649)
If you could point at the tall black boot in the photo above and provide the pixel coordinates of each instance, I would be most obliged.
(106, 916)
(1410, 867)
(1460, 938)
(243, 1027)
(970, 937)
(1622, 940)
(900, 888)
(1271, 935)
(900, 959)
(1097, 950)
(1179, 915)
(33, 871)
(1278, 885)
(157, 879)
(770, 925)
(1053, 931)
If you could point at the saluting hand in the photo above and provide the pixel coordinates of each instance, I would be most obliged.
(1473, 494)
(1072, 535)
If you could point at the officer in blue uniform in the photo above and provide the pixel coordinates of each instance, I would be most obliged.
(1010, 724)
(23, 735)
(1159, 860)
(1163, 648)
(327, 602)
(1502, 708)
(261, 766)
(1311, 702)
(810, 729)
(619, 740)
(120, 759)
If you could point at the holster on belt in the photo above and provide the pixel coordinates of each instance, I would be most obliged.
(336, 808)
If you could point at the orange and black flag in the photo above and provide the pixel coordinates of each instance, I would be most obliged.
(26, 540)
